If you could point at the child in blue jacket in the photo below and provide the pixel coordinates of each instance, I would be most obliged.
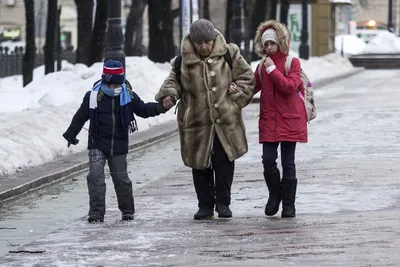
(110, 106)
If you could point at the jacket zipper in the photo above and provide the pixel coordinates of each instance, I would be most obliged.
(113, 127)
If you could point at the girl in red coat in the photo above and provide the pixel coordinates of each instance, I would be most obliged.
(283, 118)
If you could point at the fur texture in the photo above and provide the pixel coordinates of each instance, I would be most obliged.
(206, 108)
(282, 35)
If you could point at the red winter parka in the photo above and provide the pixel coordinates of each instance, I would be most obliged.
(282, 111)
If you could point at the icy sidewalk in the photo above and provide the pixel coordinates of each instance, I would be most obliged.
(348, 201)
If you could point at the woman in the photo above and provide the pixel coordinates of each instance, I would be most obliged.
(283, 118)
(214, 85)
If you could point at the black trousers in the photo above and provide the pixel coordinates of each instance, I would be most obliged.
(210, 192)
(270, 154)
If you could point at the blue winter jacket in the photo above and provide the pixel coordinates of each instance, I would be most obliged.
(106, 131)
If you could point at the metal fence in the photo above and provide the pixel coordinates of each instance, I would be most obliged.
(11, 60)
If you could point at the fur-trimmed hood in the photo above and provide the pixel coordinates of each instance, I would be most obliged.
(282, 36)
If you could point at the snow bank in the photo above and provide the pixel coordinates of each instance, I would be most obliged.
(383, 43)
(33, 118)
(321, 67)
(352, 45)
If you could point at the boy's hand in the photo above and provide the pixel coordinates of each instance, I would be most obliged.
(71, 141)
(168, 103)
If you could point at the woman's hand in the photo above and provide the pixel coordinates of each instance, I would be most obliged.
(168, 103)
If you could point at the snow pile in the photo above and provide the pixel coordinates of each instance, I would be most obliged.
(33, 118)
(383, 43)
(352, 45)
(321, 67)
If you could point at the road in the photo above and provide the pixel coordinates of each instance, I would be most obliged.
(347, 203)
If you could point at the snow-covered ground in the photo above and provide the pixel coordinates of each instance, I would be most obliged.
(33, 118)
(383, 43)
(351, 44)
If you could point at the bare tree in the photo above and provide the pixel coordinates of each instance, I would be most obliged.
(30, 49)
(49, 47)
(134, 29)
(98, 40)
(283, 16)
(228, 20)
(85, 18)
(258, 16)
(161, 42)
(206, 9)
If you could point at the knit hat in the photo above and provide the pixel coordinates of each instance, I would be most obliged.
(113, 72)
(202, 30)
(269, 35)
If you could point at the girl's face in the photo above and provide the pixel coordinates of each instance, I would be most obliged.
(270, 47)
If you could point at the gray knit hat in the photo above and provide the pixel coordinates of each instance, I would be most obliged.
(202, 30)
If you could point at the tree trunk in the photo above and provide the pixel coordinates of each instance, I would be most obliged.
(228, 21)
(85, 18)
(274, 6)
(98, 41)
(206, 9)
(30, 49)
(49, 49)
(258, 17)
(248, 33)
(134, 29)
(161, 42)
(283, 17)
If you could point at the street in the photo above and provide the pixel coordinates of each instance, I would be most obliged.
(347, 204)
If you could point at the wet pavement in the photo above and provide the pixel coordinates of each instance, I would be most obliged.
(348, 211)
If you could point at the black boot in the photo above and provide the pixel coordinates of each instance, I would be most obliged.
(94, 218)
(128, 216)
(273, 180)
(288, 197)
(223, 211)
(204, 213)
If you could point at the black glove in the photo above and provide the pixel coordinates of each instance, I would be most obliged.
(71, 141)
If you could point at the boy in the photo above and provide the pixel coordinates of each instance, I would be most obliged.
(110, 107)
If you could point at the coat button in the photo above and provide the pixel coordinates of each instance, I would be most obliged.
(215, 105)
(218, 121)
(212, 73)
(210, 61)
(214, 89)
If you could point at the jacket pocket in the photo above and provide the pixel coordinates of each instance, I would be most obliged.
(292, 121)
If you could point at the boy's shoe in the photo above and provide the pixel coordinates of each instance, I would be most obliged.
(94, 218)
(128, 217)
(223, 211)
(204, 214)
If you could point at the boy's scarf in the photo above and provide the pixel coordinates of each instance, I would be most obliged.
(124, 98)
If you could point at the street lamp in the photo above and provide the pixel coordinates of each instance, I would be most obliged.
(304, 49)
(115, 38)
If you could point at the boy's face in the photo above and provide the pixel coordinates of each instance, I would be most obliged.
(113, 86)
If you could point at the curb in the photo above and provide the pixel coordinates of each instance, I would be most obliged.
(325, 81)
(75, 163)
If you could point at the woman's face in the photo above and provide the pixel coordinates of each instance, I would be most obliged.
(270, 47)
(204, 48)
